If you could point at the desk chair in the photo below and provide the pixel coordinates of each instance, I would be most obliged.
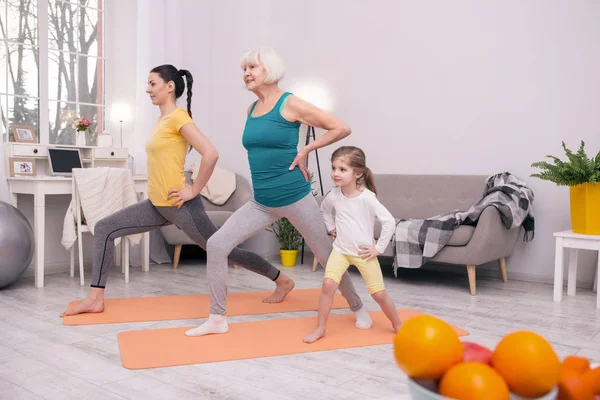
(82, 227)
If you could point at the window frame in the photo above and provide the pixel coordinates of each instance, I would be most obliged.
(43, 51)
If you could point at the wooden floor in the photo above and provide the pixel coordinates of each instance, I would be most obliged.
(42, 359)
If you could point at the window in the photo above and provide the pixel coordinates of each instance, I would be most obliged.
(52, 54)
(19, 64)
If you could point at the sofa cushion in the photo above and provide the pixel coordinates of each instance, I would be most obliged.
(174, 235)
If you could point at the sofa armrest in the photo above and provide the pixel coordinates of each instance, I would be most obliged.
(490, 241)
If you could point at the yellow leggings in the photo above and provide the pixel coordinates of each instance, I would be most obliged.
(370, 270)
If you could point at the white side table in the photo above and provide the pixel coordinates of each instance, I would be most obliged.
(573, 241)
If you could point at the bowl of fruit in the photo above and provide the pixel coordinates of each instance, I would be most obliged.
(522, 366)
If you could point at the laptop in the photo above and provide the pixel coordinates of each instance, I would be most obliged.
(63, 160)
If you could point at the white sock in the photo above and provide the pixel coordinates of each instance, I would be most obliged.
(363, 319)
(214, 324)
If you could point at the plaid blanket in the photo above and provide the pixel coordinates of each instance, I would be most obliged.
(416, 241)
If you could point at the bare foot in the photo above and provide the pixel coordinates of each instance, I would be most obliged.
(91, 304)
(284, 286)
(397, 328)
(317, 334)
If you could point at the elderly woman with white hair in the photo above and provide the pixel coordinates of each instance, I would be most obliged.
(280, 180)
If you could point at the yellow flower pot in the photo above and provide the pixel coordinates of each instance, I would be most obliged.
(585, 209)
(288, 257)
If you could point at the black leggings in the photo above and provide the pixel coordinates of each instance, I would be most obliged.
(143, 217)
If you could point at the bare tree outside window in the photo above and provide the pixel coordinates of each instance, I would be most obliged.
(75, 66)
(19, 64)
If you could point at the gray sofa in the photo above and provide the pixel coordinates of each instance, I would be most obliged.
(423, 196)
(218, 215)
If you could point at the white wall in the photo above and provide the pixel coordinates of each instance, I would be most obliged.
(459, 87)
(196, 44)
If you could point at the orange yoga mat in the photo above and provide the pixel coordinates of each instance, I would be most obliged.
(170, 347)
(162, 308)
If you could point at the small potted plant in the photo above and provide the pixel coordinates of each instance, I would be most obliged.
(580, 173)
(289, 241)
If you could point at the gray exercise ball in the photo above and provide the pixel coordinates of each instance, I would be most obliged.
(17, 244)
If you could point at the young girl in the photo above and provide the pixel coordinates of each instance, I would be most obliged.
(355, 206)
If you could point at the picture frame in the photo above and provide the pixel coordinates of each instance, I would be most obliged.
(24, 134)
(22, 166)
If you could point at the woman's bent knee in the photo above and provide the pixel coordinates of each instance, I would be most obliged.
(103, 227)
(217, 245)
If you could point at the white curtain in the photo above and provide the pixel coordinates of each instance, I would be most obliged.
(3, 174)
(156, 45)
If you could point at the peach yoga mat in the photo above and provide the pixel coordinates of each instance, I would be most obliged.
(162, 308)
(168, 347)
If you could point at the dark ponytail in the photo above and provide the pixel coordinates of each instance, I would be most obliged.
(190, 82)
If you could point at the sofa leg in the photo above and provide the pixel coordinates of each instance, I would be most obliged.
(176, 255)
(471, 274)
(502, 263)
(315, 263)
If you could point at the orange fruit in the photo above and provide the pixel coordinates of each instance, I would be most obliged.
(473, 380)
(425, 347)
(573, 386)
(592, 378)
(576, 363)
(527, 362)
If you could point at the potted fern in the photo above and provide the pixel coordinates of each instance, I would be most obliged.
(289, 241)
(580, 173)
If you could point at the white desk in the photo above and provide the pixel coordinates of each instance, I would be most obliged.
(42, 186)
(573, 241)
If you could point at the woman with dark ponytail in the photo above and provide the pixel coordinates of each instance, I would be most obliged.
(170, 200)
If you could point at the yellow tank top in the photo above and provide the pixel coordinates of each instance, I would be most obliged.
(166, 151)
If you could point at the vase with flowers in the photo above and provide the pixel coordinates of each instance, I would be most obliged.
(81, 125)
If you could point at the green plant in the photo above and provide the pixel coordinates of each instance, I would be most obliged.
(577, 170)
(287, 235)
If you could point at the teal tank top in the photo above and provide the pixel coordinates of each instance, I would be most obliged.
(272, 145)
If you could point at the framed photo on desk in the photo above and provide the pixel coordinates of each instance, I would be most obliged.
(24, 134)
(22, 166)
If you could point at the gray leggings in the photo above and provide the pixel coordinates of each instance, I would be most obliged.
(304, 214)
(143, 217)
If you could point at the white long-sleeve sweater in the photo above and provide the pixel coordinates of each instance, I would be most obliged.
(354, 221)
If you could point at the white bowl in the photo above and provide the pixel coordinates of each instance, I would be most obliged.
(426, 390)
